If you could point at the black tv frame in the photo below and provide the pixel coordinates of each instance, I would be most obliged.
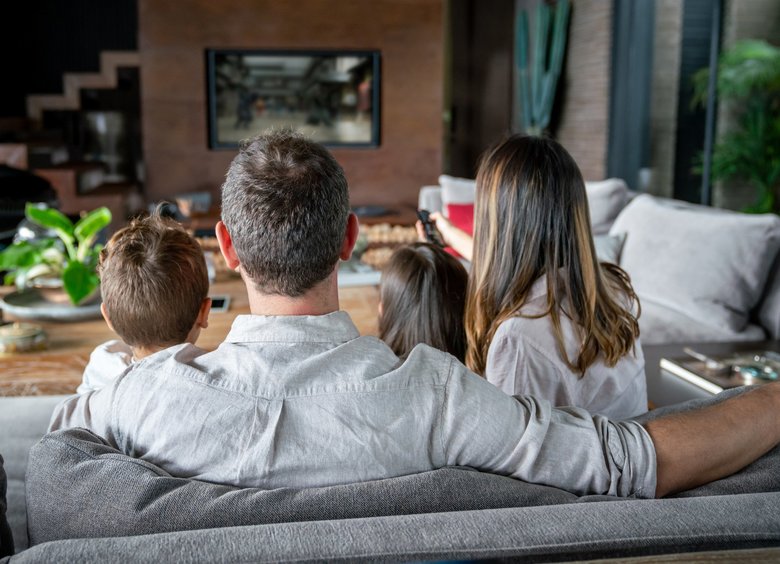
(376, 114)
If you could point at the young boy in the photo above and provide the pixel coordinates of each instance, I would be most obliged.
(154, 283)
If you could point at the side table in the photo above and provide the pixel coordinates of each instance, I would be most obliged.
(665, 388)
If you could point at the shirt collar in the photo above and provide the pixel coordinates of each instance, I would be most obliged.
(538, 288)
(336, 327)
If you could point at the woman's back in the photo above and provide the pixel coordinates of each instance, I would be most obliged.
(524, 359)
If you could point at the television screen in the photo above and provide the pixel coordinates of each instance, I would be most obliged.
(331, 96)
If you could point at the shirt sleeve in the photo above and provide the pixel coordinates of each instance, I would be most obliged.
(106, 362)
(526, 438)
(91, 410)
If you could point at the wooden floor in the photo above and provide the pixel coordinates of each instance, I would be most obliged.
(58, 369)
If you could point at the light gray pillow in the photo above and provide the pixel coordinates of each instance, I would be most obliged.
(706, 263)
(608, 247)
(606, 199)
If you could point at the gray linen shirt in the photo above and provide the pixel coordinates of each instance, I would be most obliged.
(304, 401)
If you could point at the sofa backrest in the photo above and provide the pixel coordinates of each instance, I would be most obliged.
(80, 487)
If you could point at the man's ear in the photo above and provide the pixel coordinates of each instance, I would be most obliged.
(202, 320)
(350, 237)
(104, 311)
(226, 246)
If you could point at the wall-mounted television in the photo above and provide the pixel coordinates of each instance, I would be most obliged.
(331, 96)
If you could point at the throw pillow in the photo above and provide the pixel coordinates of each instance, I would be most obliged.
(608, 247)
(75, 473)
(456, 190)
(606, 199)
(709, 264)
(461, 216)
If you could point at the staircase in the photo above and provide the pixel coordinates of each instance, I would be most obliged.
(80, 186)
(73, 83)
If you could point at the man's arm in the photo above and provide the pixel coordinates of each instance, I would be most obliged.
(91, 411)
(699, 446)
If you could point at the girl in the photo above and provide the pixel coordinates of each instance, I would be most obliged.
(543, 317)
(421, 300)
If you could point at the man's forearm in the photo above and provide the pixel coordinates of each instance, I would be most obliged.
(697, 447)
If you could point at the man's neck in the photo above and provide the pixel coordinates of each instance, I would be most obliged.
(319, 300)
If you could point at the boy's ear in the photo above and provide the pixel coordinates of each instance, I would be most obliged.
(202, 320)
(226, 246)
(350, 237)
(104, 311)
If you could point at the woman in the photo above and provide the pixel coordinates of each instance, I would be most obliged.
(421, 298)
(543, 317)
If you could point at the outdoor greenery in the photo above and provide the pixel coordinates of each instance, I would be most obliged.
(71, 256)
(748, 83)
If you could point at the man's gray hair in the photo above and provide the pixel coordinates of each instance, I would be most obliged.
(285, 204)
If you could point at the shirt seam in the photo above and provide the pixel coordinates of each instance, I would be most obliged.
(441, 411)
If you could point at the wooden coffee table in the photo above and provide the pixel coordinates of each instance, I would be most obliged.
(58, 369)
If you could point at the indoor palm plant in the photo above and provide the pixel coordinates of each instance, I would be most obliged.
(67, 259)
(748, 82)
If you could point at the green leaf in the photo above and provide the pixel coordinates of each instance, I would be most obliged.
(91, 223)
(79, 281)
(50, 218)
(19, 254)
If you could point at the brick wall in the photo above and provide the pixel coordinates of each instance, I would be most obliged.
(584, 124)
(663, 102)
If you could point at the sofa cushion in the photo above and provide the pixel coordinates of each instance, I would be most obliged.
(606, 199)
(709, 264)
(6, 540)
(455, 190)
(608, 247)
(661, 324)
(731, 525)
(23, 421)
(768, 309)
(78, 486)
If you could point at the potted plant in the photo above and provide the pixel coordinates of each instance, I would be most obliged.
(748, 82)
(66, 260)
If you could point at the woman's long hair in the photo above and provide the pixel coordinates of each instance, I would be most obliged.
(423, 294)
(532, 219)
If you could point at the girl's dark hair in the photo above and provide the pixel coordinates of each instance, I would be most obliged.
(423, 295)
(531, 220)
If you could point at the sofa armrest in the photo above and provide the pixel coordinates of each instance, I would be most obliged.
(430, 199)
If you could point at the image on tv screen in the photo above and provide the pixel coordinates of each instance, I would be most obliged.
(332, 97)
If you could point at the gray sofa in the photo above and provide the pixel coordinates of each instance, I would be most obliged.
(82, 501)
(702, 274)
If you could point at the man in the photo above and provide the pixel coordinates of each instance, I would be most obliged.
(295, 397)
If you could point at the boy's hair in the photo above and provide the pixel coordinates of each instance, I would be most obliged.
(423, 295)
(153, 279)
(285, 204)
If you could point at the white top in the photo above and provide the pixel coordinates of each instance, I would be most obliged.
(106, 362)
(305, 401)
(523, 359)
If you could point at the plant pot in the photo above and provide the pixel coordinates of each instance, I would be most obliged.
(51, 290)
